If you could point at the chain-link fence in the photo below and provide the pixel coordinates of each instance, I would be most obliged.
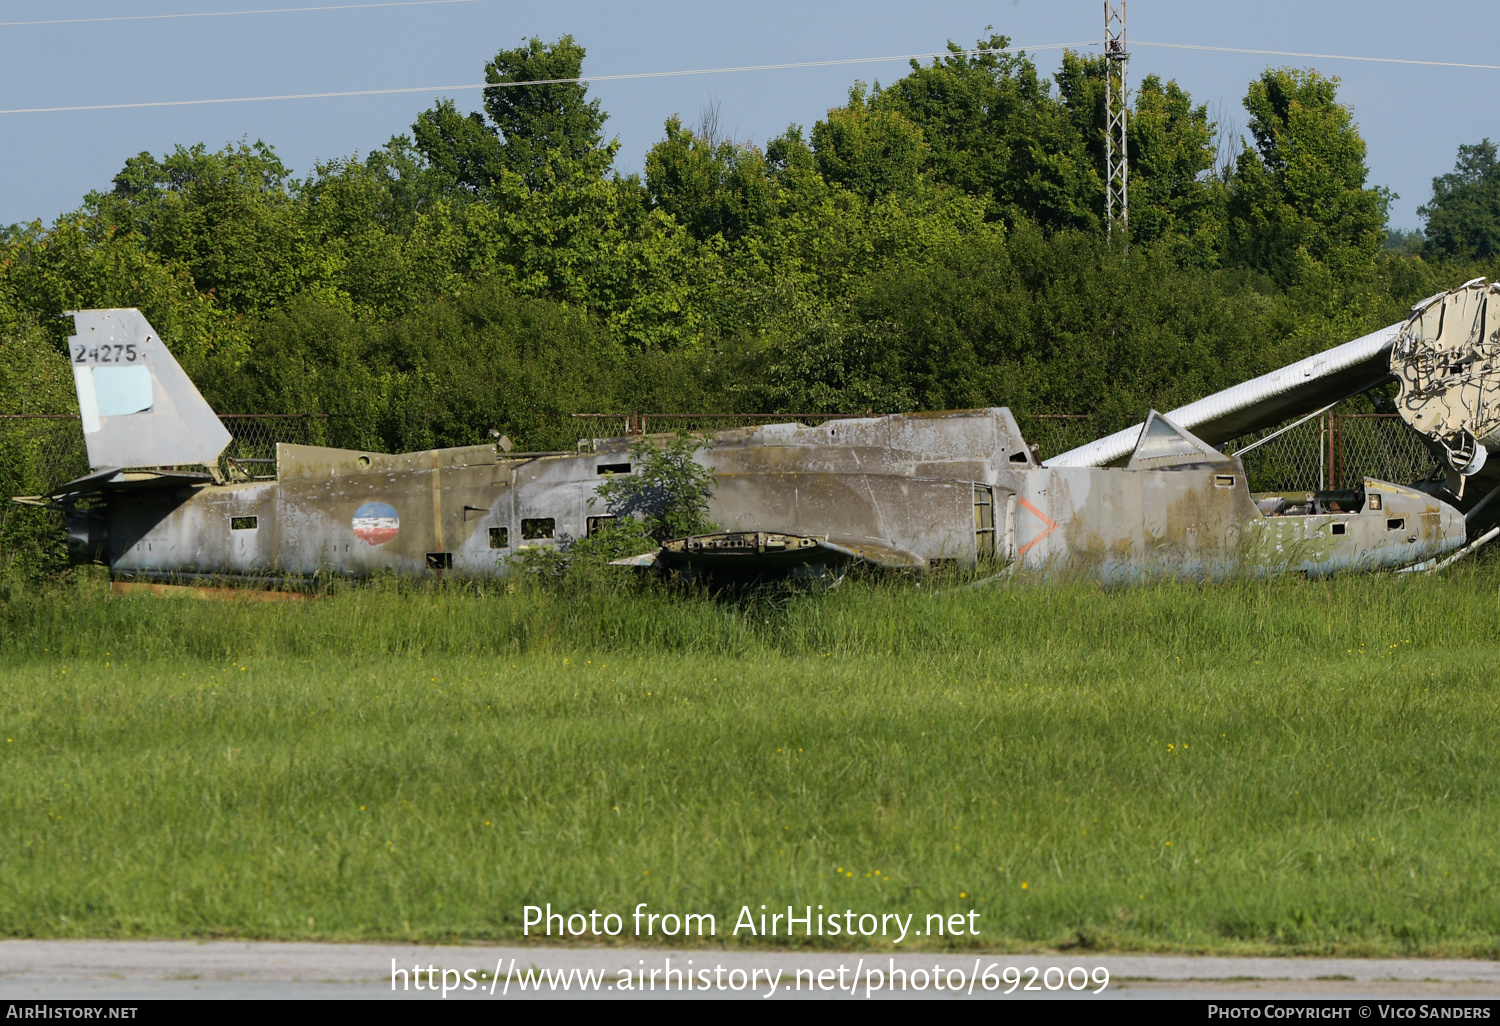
(1377, 445)
(38, 452)
(252, 450)
(1053, 433)
(1334, 450)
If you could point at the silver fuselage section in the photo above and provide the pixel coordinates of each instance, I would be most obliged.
(899, 491)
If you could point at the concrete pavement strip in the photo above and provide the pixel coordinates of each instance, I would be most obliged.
(97, 969)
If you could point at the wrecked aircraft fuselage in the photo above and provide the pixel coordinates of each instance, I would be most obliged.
(893, 491)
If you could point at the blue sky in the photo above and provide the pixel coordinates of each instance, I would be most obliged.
(1413, 118)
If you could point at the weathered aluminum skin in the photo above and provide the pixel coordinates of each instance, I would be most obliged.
(894, 491)
(898, 491)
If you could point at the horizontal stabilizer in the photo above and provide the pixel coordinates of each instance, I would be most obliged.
(110, 479)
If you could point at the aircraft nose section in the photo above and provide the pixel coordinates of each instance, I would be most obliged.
(1453, 527)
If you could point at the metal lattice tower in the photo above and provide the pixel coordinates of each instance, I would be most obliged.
(1116, 104)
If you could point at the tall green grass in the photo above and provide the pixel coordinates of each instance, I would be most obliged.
(1251, 766)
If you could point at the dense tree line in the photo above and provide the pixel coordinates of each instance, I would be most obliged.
(934, 242)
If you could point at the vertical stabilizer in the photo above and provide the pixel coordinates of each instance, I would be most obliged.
(139, 408)
(1164, 445)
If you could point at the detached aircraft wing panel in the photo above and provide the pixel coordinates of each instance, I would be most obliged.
(1292, 391)
(762, 551)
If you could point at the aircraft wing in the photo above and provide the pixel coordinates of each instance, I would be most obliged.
(1292, 391)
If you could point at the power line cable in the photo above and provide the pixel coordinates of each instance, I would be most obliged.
(230, 14)
(1319, 56)
(708, 71)
(545, 81)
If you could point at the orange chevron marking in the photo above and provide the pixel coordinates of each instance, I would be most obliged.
(1051, 526)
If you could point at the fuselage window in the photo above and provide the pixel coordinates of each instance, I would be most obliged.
(539, 527)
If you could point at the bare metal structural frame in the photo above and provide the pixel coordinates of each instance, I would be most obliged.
(1116, 107)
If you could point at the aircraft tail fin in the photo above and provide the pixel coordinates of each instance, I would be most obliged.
(139, 408)
(1164, 445)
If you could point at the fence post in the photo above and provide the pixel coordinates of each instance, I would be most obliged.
(1322, 451)
(1334, 426)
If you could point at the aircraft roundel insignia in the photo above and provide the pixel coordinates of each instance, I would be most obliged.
(376, 522)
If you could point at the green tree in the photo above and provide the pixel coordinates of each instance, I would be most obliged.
(1299, 194)
(869, 151)
(1463, 216)
(711, 187)
(797, 186)
(1170, 148)
(1172, 196)
(540, 133)
(463, 148)
(543, 218)
(669, 491)
(230, 217)
(79, 264)
(1056, 322)
(996, 131)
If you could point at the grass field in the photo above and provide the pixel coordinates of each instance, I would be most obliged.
(1284, 766)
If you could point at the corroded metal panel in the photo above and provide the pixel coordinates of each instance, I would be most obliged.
(1394, 527)
(903, 491)
(467, 510)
